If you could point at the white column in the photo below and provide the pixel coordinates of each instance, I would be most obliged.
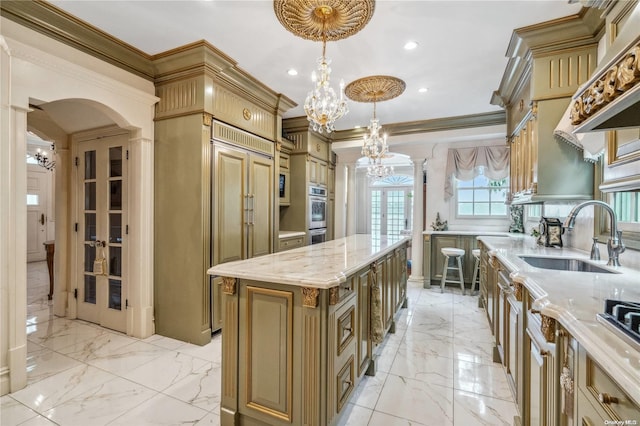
(341, 201)
(140, 311)
(351, 199)
(416, 234)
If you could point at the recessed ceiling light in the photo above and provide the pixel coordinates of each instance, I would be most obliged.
(410, 45)
(423, 90)
(292, 71)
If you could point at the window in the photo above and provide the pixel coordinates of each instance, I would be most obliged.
(481, 197)
(627, 208)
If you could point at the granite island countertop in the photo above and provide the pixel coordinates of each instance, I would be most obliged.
(323, 265)
(574, 299)
(467, 232)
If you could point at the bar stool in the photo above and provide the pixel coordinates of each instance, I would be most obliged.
(456, 253)
(476, 270)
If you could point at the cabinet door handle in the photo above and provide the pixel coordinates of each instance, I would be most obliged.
(349, 329)
(605, 398)
(42, 219)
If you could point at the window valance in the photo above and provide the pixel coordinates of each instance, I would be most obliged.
(466, 163)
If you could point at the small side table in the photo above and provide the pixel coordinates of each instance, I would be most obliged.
(50, 247)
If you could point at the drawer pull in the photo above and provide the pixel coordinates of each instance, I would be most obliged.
(348, 329)
(347, 382)
(605, 398)
(535, 311)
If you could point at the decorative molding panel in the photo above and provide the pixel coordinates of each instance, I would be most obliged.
(179, 97)
(562, 74)
(231, 135)
(234, 109)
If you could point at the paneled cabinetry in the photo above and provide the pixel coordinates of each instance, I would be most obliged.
(553, 379)
(548, 63)
(434, 259)
(294, 355)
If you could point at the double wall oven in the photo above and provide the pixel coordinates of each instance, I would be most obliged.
(317, 214)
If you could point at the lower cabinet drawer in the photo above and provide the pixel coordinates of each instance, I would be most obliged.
(346, 329)
(603, 393)
(290, 243)
(345, 382)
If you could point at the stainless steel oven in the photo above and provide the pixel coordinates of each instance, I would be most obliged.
(317, 207)
(318, 235)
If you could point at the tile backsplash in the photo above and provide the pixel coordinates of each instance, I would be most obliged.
(580, 237)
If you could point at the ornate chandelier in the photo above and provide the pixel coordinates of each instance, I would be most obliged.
(324, 20)
(43, 159)
(374, 147)
(322, 105)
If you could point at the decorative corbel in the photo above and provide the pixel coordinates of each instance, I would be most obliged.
(310, 297)
(229, 285)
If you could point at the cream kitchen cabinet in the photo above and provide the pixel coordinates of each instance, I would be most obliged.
(288, 243)
(601, 399)
(243, 205)
(434, 259)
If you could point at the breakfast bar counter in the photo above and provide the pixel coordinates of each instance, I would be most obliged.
(301, 327)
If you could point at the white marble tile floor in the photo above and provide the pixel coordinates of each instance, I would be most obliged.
(435, 370)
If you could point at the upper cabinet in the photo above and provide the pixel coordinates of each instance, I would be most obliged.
(547, 64)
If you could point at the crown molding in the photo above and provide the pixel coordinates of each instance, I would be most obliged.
(47, 19)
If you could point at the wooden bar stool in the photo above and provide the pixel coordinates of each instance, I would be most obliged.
(476, 270)
(455, 253)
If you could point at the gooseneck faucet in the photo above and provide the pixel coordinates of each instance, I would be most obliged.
(615, 246)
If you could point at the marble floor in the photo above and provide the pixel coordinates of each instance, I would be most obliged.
(435, 370)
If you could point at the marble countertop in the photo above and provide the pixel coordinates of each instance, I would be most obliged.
(478, 232)
(574, 299)
(291, 234)
(321, 266)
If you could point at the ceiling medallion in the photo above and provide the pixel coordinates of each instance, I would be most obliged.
(327, 20)
(375, 89)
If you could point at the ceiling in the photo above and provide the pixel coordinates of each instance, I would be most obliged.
(460, 56)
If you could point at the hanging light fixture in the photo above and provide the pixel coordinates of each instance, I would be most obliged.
(374, 89)
(43, 159)
(324, 20)
(322, 105)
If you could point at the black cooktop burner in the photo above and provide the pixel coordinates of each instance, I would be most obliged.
(624, 317)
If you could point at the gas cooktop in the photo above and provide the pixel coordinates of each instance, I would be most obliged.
(623, 318)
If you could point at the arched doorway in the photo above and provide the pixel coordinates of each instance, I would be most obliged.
(37, 73)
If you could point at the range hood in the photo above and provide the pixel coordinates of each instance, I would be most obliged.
(610, 100)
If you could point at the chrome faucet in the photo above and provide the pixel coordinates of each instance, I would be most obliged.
(615, 246)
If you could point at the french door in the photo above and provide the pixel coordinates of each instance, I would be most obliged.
(391, 210)
(102, 188)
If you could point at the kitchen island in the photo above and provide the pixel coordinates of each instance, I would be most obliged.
(301, 327)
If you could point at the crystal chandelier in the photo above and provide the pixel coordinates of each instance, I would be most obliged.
(374, 146)
(379, 171)
(322, 105)
(43, 159)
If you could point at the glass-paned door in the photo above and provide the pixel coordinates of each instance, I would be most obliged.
(391, 210)
(101, 235)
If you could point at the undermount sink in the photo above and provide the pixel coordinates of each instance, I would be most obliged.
(564, 264)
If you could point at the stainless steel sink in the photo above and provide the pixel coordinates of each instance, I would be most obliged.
(564, 264)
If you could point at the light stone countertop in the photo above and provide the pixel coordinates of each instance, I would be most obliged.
(478, 232)
(291, 234)
(323, 265)
(574, 299)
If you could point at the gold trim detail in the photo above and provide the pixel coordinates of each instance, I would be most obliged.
(375, 88)
(517, 291)
(548, 328)
(207, 119)
(613, 82)
(315, 20)
(310, 297)
(334, 295)
(246, 114)
(229, 285)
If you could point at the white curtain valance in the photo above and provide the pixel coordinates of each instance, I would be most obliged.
(465, 164)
